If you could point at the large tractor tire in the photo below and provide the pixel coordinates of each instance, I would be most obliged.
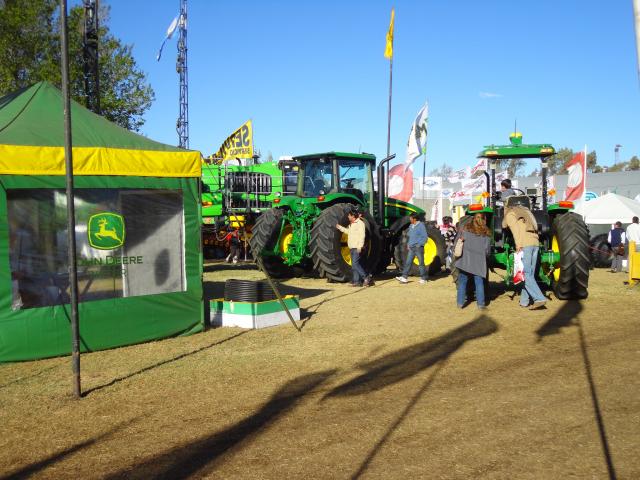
(266, 234)
(329, 250)
(570, 238)
(435, 251)
(601, 251)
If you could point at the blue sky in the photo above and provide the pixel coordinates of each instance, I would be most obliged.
(312, 75)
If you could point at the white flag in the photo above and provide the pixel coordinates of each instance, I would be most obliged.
(417, 144)
(170, 32)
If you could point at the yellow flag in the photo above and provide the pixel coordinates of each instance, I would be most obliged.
(388, 51)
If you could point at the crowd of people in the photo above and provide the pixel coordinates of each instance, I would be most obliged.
(620, 239)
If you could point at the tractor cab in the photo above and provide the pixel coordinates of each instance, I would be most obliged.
(326, 174)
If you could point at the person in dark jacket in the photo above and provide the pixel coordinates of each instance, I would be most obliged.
(473, 262)
(449, 233)
(617, 240)
(417, 238)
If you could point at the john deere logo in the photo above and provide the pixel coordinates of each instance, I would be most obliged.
(106, 231)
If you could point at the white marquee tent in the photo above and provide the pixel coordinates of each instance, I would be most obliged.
(608, 209)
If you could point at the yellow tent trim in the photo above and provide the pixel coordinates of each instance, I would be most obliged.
(35, 160)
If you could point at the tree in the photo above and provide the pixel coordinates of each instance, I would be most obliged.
(634, 163)
(556, 163)
(30, 52)
(592, 161)
(618, 167)
(444, 171)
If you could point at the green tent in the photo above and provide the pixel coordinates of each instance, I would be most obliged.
(137, 232)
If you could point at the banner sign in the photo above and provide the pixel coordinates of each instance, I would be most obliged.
(460, 175)
(577, 170)
(475, 184)
(401, 182)
(238, 145)
(432, 183)
(481, 166)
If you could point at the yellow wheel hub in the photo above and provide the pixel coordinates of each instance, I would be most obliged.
(430, 253)
(285, 239)
(344, 249)
(555, 247)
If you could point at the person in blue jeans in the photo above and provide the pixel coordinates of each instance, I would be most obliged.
(417, 238)
(524, 229)
(473, 262)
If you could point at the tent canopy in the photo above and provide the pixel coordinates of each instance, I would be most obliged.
(137, 231)
(608, 209)
(32, 141)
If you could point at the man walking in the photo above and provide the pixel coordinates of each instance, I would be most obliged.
(616, 239)
(356, 233)
(524, 229)
(417, 238)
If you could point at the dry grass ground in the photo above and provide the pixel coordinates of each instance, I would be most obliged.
(385, 382)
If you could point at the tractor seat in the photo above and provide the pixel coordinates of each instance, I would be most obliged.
(518, 200)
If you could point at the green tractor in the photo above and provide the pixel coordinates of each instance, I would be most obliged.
(299, 233)
(233, 196)
(564, 259)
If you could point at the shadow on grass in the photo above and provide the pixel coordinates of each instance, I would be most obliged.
(34, 468)
(565, 317)
(164, 362)
(307, 313)
(202, 455)
(568, 316)
(407, 362)
(398, 421)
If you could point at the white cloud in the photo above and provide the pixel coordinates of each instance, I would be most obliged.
(490, 95)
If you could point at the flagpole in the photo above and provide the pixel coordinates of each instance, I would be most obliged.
(71, 221)
(636, 15)
(389, 118)
(424, 170)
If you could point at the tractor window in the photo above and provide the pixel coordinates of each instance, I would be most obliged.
(354, 176)
(318, 177)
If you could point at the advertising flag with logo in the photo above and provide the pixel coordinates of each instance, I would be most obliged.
(577, 177)
(401, 176)
(237, 145)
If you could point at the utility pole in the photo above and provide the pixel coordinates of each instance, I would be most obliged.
(182, 125)
(616, 154)
(91, 70)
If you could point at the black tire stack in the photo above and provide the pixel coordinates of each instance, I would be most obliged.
(247, 291)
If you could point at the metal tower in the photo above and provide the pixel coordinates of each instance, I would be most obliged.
(182, 125)
(90, 56)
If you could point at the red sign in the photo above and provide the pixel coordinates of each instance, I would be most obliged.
(401, 182)
(577, 171)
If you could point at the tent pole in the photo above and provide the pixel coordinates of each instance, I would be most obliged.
(71, 219)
